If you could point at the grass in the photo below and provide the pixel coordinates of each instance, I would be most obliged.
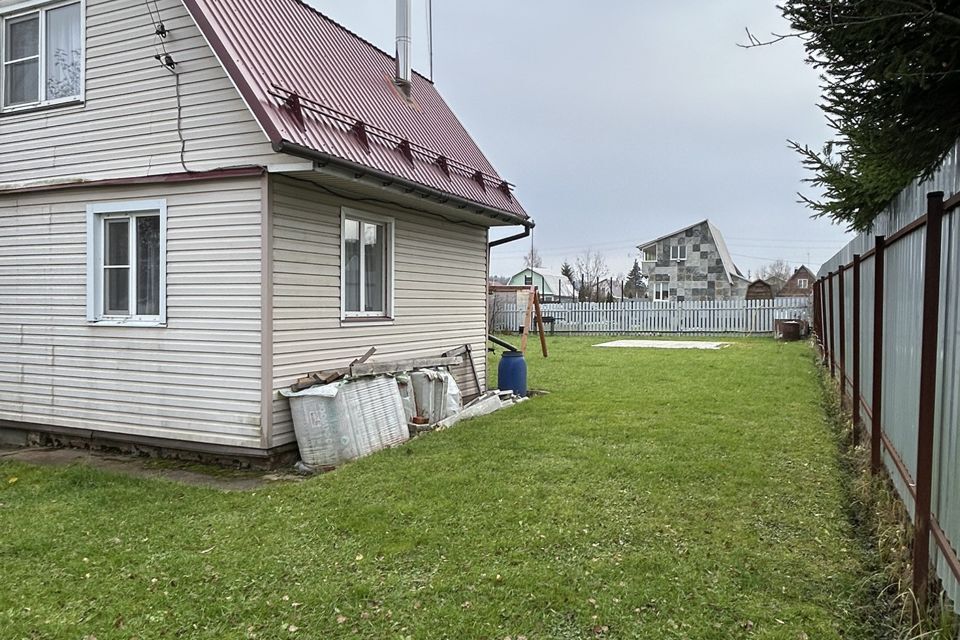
(652, 494)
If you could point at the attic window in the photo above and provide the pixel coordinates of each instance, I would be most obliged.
(802, 283)
(41, 61)
(678, 252)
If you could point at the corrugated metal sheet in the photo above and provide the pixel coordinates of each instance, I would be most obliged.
(902, 314)
(848, 333)
(946, 479)
(265, 44)
(903, 301)
(867, 284)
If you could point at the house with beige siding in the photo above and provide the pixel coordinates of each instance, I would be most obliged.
(196, 209)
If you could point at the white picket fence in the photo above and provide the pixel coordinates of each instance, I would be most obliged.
(647, 316)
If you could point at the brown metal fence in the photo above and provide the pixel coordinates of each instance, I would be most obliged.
(906, 404)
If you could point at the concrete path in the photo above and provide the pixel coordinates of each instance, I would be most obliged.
(143, 467)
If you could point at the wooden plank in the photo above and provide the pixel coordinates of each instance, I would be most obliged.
(540, 329)
(377, 368)
(526, 322)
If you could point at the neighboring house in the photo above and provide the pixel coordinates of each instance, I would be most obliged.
(691, 264)
(182, 238)
(552, 285)
(799, 285)
(759, 290)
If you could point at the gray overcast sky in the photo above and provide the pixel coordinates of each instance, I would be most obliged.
(623, 120)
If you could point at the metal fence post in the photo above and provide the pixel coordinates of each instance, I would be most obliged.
(842, 321)
(855, 355)
(876, 400)
(823, 320)
(928, 397)
(830, 332)
(816, 314)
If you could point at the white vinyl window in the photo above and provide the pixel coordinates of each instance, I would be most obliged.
(41, 57)
(678, 252)
(802, 283)
(366, 265)
(662, 291)
(126, 263)
(650, 253)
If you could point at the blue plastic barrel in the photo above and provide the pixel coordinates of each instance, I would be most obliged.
(512, 373)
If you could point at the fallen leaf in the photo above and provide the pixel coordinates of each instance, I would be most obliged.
(12, 479)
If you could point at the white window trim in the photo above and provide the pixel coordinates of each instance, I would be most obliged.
(367, 318)
(34, 6)
(645, 258)
(661, 292)
(803, 283)
(96, 214)
(675, 249)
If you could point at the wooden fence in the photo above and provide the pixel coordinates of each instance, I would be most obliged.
(652, 317)
(887, 319)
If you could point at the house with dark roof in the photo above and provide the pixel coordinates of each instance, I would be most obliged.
(691, 264)
(202, 200)
(800, 284)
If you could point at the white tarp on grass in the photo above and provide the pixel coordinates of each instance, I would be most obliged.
(664, 344)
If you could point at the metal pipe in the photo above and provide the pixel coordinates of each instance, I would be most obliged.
(403, 68)
(877, 393)
(502, 343)
(928, 397)
(523, 234)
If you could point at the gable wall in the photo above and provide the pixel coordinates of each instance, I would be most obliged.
(128, 124)
(792, 288)
(701, 276)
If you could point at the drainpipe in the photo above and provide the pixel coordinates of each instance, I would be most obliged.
(524, 234)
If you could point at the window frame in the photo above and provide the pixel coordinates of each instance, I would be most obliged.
(661, 292)
(97, 216)
(678, 257)
(389, 224)
(803, 283)
(645, 254)
(40, 7)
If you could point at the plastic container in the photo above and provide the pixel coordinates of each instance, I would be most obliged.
(512, 373)
(346, 420)
(436, 394)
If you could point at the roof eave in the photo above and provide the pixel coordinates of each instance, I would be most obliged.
(292, 148)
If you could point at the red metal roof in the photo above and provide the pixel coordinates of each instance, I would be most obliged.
(309, 81)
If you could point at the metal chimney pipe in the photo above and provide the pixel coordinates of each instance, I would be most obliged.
(403, 43)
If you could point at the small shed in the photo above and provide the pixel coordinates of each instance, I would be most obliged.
(759, 290)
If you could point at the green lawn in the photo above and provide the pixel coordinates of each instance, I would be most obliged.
(652, 494)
